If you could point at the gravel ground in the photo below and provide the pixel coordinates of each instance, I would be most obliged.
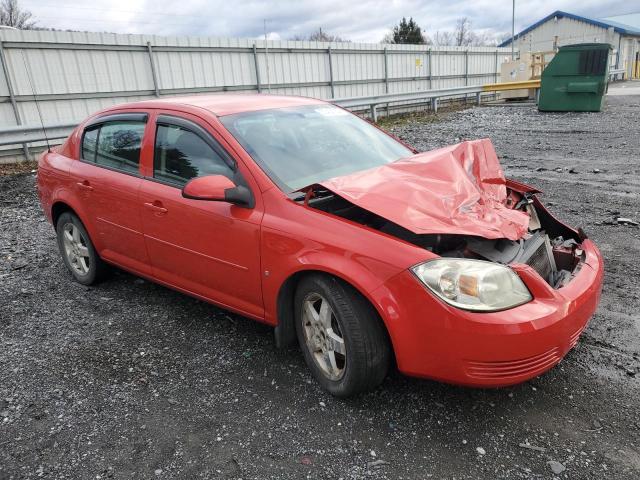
(131, 380)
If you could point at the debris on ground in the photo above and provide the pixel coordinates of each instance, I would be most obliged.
(626, 221)
(556, 467)
(376, 463)
(532, 447)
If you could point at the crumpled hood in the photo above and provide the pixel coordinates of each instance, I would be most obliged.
(454, 190)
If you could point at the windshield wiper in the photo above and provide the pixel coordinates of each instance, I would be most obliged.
(310, 193)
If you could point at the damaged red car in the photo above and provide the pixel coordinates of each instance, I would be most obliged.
(301, 215)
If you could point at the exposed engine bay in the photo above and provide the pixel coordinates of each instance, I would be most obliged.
(549, 247)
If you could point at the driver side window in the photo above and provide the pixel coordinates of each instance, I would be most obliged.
(181, 155)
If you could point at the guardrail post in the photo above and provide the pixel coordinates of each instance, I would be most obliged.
(434, 104)
(478, 98)
(12, 97)
(333, 93)
(374, 112)
(255, 62)
(153, 70)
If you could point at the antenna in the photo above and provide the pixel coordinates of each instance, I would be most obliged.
(266, 54)
(35, 99)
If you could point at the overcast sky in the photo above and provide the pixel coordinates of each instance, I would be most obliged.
(359, 21)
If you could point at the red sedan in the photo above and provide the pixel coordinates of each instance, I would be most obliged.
(299, 214)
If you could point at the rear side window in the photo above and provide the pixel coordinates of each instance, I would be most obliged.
(89, 142)
(181, 155)
(114, 145)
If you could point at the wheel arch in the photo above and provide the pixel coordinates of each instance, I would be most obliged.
(62, 205)
(58, 208)
(285, 333)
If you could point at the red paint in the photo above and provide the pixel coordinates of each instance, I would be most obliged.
(211, 187)
(239, 258)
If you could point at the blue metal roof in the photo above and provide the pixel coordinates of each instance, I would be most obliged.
(618, 27)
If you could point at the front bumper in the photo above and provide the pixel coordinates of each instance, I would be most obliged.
(432, 339)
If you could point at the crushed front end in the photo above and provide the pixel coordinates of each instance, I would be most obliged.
(444, 324)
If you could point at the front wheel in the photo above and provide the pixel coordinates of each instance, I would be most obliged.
(341, 336)
(77, 250)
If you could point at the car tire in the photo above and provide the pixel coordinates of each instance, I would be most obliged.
(77, 250)
(341, 336)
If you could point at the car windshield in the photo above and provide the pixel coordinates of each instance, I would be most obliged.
(300, 146)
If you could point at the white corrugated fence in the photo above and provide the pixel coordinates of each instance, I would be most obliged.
(74, 74)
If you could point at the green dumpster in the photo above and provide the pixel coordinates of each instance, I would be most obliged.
(576, 79)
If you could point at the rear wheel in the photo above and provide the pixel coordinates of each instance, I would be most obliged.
(341, 336)
(77, 250)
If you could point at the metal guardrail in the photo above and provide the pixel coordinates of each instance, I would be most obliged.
(613, 73)
(25, 134)
(373, 102)
(525, 84)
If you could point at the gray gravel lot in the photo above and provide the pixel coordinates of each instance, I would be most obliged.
(132, 380)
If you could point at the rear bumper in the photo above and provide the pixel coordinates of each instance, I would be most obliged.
(434, 340)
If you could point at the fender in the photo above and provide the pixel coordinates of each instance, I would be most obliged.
(278, 289)
(350, 272)
(296, 238)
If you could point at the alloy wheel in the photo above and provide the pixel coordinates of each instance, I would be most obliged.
(75, 248)
(323, 336)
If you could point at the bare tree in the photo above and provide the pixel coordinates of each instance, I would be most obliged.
(464, 36)
(502, 37)
(320, 36)
(443, 38)
(485, 39)
(12, 15)
(388, 38)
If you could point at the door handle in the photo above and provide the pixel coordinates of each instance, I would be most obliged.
(156, 207)
(85, 185)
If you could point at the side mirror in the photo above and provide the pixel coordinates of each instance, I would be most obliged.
(218, 188)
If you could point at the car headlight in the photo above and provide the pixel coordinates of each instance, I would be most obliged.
(473, 284)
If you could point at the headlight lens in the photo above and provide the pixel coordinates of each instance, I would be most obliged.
(473, 284)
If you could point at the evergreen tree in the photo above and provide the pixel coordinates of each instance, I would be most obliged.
(407, 32)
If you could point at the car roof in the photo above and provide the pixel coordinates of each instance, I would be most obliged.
(221, 104)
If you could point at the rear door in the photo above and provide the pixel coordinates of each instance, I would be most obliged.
(211, 249)
(108, 180)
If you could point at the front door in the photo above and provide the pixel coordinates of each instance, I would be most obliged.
(210, 249)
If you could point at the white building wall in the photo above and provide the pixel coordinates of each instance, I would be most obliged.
(564, 31)
(630, 47)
